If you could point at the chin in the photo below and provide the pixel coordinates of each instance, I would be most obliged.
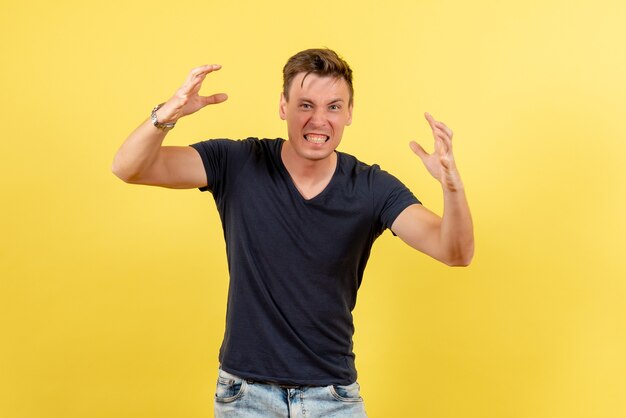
(316, 156)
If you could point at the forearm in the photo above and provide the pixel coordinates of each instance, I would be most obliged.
(457, 232)
(138, 152)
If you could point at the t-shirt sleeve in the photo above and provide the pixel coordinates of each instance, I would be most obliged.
(220, 157)
(391, 197)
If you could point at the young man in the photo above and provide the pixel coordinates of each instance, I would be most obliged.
(299, 221)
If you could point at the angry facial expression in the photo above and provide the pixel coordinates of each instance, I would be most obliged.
(316, 111)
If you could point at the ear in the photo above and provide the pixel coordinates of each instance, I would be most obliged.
(350, 114)
(282, 107)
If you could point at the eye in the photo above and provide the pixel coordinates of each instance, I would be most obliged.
(305, 106)
(334, 107)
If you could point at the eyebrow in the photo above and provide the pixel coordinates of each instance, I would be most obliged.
(305, 99)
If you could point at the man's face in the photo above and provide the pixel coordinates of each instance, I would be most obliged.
(316, 113)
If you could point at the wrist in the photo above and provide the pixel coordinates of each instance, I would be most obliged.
(452, 183)
(165, 115)
(161, 119)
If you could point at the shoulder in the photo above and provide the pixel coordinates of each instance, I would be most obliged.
(250, 145)
(349, 163)
(356, 168)
(225, 158)
(380, 182)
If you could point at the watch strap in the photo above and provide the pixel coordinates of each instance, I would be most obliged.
(156, 123)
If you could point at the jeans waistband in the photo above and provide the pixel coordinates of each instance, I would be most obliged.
(280, 385)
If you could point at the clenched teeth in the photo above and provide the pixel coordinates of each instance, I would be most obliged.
(316, 139)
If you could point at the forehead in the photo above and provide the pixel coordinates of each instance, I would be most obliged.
(313, 86)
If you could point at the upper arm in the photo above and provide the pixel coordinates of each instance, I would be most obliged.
(420, 228)
(176, 168)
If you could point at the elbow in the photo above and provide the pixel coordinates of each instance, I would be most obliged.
(462, 258)
(121, 172)
(461, 262)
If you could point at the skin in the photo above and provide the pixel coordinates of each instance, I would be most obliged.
(316, 105)
(450, 238)
(143, 160)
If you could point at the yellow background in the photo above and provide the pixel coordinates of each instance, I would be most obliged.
(112, 297)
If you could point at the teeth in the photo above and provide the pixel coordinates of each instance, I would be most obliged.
(316, 139)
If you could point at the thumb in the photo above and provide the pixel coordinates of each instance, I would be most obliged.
(418, 150)
(214, 99)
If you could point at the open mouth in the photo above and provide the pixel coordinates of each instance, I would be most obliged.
(316, 138)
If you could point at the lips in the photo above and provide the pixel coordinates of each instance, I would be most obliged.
(316, 138)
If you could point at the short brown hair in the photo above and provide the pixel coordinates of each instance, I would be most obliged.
(322, 62)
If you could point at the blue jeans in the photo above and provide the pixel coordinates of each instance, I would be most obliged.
(236, 397)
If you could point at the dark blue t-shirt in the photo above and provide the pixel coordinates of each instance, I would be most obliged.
(295, 264)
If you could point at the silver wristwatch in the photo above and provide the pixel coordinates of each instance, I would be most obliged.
(159, 125)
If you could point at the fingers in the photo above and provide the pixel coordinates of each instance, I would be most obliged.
(418, 150)
(214, 99)
(435, 124)
(202, 71)
(196, 77)
(441, 133)
(445, 162)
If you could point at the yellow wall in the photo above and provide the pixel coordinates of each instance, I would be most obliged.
(112, 297)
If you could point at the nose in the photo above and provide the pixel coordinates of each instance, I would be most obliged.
(318, 117)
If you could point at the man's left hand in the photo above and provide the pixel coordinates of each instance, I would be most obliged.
(440, 164)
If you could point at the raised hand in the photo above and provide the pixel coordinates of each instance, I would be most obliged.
(186, 100)
(440, 164)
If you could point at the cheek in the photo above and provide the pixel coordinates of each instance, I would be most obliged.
(296, 124)
(293, 120)
(339, 121)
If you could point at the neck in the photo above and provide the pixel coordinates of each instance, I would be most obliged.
(305, 169)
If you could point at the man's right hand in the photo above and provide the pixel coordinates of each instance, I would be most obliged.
(186, 100)
(143, 160)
